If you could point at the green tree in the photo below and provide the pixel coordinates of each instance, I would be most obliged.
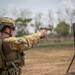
(62, 28)
(22, 26)
(38, 21)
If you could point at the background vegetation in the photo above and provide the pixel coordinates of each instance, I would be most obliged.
(27, 21)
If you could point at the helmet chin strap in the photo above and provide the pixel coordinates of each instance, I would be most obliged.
(8, 33)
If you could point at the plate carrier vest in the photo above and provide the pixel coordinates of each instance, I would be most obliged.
(10, 60)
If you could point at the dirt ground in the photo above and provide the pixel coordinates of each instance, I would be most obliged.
(49, 60)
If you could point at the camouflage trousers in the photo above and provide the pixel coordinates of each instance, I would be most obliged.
(10, 71)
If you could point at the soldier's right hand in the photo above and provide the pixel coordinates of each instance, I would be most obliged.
(42, 33)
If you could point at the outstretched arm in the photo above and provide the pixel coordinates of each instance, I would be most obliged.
(25, 42)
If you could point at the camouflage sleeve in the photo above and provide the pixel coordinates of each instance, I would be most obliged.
(22, 43)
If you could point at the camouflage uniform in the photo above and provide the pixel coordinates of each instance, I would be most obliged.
(12, 52)
(22, 43)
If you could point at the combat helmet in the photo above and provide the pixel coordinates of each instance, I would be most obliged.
(5, 21)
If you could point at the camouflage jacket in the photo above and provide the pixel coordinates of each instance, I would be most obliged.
(22, 43)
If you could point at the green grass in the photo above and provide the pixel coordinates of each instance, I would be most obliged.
(54, 43)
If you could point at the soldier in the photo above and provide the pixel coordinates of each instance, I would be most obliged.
(12, 48)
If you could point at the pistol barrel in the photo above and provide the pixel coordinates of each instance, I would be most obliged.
(46, 28)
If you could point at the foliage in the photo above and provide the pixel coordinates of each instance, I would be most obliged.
(38, 21)
(20, 33)
(23, 20)
(22, 26)
(37, 26)
(62, 28)
(54, 43)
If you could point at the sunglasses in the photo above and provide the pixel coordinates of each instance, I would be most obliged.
(13, 28)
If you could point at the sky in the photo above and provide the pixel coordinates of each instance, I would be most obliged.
(38, 5)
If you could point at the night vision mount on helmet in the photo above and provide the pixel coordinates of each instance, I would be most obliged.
(5, 21)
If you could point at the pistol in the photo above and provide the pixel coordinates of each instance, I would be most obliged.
(46, 28)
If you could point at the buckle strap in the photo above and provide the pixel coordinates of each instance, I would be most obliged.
(13, 69)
